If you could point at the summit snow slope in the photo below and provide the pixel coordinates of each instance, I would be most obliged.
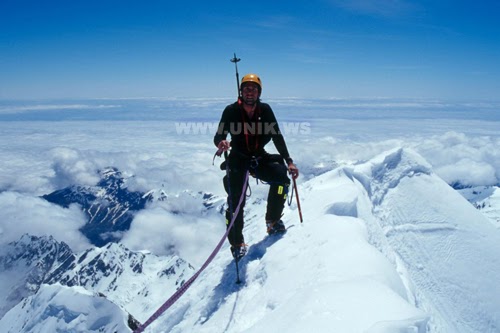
(449, 250)
(386, 246)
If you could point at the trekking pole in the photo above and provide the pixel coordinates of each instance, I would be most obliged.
(236, 60)
(298, 201)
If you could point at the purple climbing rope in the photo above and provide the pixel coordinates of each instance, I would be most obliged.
(189, 282)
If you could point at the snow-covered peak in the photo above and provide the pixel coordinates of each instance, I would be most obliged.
(437, 239)
(31, 248)
(109, 205)
(56, 308)
(130, 279)
(27, 263)
(386, 170)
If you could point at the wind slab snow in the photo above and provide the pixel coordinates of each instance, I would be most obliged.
(386, 246)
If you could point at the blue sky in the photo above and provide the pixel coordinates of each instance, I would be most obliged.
(318, 48)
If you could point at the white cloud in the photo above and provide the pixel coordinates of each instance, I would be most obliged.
(72, 167)
(23, 214)
(468, 172)
(191, 236)
(457, 157)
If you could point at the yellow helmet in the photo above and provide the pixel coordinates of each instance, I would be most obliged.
(252, 78)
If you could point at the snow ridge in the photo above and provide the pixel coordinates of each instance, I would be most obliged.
(385, 172)
(439, 242)
(386, 246)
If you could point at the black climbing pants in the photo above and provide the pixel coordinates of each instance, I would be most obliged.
(268, 170)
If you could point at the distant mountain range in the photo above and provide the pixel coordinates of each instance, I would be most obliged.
(124, 277)
(109, 205)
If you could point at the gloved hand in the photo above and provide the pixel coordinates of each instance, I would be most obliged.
(293, 170)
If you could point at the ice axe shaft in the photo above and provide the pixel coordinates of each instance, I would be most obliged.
(236, 60)
(298, 200)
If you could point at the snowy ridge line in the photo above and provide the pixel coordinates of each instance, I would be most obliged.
(436, 239)
(386, 171)
(188, 284)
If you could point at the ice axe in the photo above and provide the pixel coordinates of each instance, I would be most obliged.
(236, 60)
(298, 201)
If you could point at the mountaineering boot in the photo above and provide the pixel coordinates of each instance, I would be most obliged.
(274, 227)
(238, 251)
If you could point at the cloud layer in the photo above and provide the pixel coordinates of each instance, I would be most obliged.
(42, 156)
(21, 214)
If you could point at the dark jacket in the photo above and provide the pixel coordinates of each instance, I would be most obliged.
(249, 136)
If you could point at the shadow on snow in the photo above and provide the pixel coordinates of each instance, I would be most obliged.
(228, 285)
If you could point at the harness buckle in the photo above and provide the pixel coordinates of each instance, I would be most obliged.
(254, 162)
(252, 167)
